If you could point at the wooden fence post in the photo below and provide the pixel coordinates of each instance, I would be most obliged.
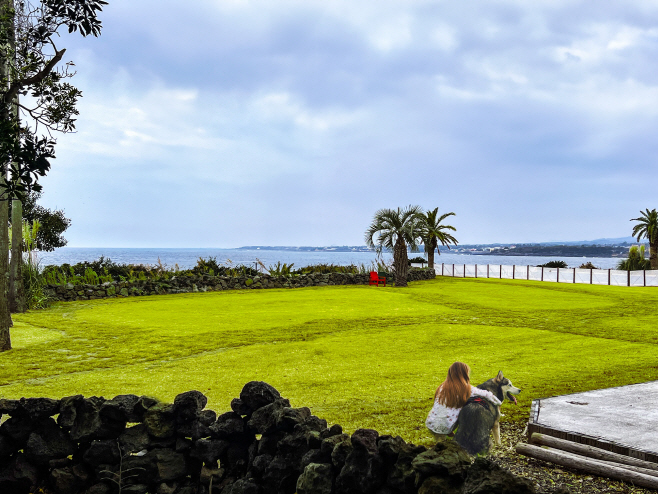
(464, 270)
(609, 276)
(644, 277)
(500, 271)
(528, 273)
(574, 275)
(513, 271)
(487, 270)
(476, 270)
(542, 273)
(591, 275)
(628, 278)
(558, 275)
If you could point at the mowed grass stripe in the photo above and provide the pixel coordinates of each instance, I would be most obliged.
(358, 356)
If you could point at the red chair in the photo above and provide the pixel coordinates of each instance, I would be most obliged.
(375, 279)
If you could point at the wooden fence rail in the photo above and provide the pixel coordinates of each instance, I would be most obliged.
(612, 277)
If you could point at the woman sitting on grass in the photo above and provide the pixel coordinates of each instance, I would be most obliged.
(449, 399)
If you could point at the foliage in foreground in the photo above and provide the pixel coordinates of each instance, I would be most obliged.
(553, 264)
(103, 270)
(357, 355)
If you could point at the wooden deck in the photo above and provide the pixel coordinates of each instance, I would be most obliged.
(623, 420)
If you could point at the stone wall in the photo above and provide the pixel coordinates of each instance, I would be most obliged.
(79, 445)
(207, 283)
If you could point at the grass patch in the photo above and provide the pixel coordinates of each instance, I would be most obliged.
(359, 356)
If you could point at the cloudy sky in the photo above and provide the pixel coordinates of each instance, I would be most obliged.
(222, 123)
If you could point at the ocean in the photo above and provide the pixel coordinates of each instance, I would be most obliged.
(187, 258)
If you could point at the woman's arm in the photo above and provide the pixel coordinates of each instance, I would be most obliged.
(485, 394)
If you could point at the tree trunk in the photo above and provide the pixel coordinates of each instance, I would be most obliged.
(430, 253)
(653, 254)
(16, 287)
(6, 6)
(5, 317)
(400, 262)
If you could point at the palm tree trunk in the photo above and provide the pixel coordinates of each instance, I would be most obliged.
(400, 262)
(430, 253)
(653, 253)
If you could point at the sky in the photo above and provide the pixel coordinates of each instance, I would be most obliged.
(236, 122)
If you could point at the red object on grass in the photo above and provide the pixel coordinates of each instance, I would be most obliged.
(375, 279)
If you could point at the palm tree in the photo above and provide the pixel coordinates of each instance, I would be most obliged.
(396, 229)
(433, 232)
(635, 261)
(647, 227)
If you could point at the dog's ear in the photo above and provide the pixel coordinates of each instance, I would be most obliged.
(499, 377)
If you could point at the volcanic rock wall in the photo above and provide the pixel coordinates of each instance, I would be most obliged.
(133, 444)
(207, 283)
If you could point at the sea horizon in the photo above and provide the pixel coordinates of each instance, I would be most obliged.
(186, 257)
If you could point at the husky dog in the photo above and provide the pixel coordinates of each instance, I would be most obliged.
(479, 416)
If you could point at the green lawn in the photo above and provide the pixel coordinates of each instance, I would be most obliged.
(356, 355)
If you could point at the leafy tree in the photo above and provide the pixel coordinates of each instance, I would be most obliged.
(635, 261)
(395, 230)
(647, 227)
(29, 61)
(433, 232)
(52, 223)
(553, 264)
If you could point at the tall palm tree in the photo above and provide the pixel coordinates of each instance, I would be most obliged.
(647, 227)
(396, 229)
(433, 232)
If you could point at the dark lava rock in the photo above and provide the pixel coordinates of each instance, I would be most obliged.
(68, 410)
(257, 394)
(317, 478)
(242, 486)
(441, 485)
(402, 476)
(363, 470)
(134, 439)
(340, 453)
(18, 428)
(209, 450)
(228, 424)
(48, 442)
(445, 459)
(7, 447)
(105, 452)
(288, 418)
(259, 464)
(264, 419)
(159, 420)
(281, 476)
(485, 476)
(365, 439)
(188, 405)
(127, 404)
(89, 424)
(101, 488)
(334, 430)
(327, 446)
(40, 408)
(239, 407)
(64, 481)
(11, 407)
(18, 476)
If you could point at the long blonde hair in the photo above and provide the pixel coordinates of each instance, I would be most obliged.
(456, 389)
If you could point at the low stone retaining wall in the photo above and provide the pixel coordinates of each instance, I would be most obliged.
(133, 444)
(207, 283)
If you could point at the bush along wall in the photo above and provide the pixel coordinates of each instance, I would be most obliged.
(208, 283)
(133, 444)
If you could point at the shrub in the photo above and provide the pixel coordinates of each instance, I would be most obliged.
(417, 260)
(588, 265)
(553, 264)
